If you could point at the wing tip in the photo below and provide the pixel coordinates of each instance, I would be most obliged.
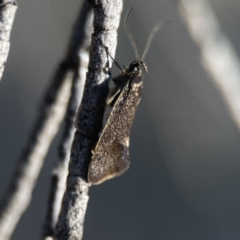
(96, 178)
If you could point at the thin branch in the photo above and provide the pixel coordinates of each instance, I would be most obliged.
(217, 53)
(89, 121)
(7, 14)
(81, 37)
(28, 167)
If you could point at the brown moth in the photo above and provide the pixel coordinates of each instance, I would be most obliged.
(110, 156)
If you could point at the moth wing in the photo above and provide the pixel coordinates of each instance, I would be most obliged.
(111, 155)
(108, 163)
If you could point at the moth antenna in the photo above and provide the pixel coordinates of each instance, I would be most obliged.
(130, 35)
(150, 38)
(144, 66)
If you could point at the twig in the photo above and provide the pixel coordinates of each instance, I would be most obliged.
(89, 121)
(81, 37)
(20, 189)
(217, 53)
(27, 170)
(7, 14)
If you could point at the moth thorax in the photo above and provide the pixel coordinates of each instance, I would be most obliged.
(137, 81)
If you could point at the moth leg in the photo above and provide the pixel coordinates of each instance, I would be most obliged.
(110, 100)
(129, 87)
(115, 62)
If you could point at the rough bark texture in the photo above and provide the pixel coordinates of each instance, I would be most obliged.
(89, 121)
(7, 13)
(81, 37)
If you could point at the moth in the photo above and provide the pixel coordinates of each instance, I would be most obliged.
(110, 157)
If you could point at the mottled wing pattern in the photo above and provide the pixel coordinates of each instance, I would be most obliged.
(111, 154)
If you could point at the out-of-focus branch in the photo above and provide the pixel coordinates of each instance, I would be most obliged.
(89, 120)
(217, 54)
(81, 37)
(7, 14)
(28, 167)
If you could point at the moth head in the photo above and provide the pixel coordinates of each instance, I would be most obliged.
(135, 68)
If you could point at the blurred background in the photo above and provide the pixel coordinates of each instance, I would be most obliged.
(184, 180)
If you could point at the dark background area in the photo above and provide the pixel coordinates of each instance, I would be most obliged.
(184, 180)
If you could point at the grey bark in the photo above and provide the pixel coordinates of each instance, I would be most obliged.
(81, 37)
(7, 14)
(89, 120)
